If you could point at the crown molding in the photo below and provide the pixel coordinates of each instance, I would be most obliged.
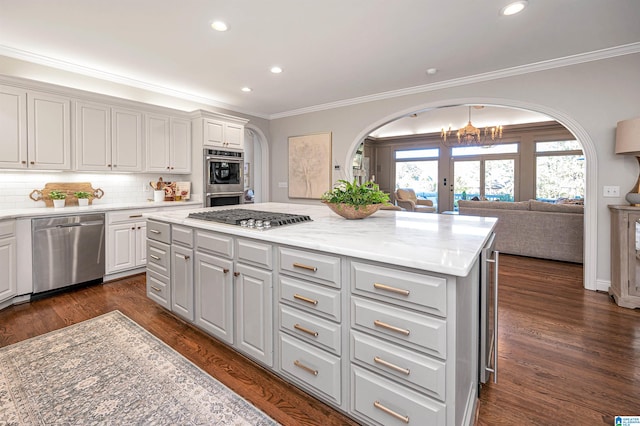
(115, 78)
(597, 55)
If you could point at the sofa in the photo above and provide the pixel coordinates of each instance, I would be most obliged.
(534, 228)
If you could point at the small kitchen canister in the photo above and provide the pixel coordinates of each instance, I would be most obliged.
(158, 195)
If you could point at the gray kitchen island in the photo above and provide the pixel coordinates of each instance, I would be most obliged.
(377, 317)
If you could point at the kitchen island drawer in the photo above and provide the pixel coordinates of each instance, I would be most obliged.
(314, 266)
(314, 367)
(410, 289)
(127, 216)
(385, 402)
(215, 243)
(317, 331)
(420, 371)
(256, 253)
(311, 297)
(182, 235)
(159, 231)
(158, 257)
(159, 289)
(418, 331)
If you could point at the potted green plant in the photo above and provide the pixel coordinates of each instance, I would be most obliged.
(355, 201)
(58, 197)
(83, 198)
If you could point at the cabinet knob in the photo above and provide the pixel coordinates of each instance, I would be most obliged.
(24, 162)
(225, 271)
(236, 274)
(33, 162)
(168, 168)
(108, 165)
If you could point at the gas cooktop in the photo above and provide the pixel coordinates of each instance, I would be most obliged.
(250, 218)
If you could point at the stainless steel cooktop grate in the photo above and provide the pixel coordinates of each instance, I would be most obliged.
(243, 217)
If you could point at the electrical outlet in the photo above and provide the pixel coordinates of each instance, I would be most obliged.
(611, 191)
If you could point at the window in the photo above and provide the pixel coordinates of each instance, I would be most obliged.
(418, 169)
(560, 170)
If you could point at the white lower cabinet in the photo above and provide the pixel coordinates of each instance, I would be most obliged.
(8, 260)
(159, 263)
(126, 241)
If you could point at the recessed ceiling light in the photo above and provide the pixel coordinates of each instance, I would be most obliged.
(219, 26)
(513, 8)
(246, 89)
(276, 70)
(432, 71)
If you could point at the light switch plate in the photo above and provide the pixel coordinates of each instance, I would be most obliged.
(611, 191)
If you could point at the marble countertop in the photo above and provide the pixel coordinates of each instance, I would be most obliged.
(95, 208)
(439, 243)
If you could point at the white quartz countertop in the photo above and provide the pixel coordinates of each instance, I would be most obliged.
(95, 208)
(447, 244)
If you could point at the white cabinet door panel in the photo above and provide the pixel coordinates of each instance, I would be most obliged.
(13, 122)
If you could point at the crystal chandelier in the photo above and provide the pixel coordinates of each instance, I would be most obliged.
(471, 135)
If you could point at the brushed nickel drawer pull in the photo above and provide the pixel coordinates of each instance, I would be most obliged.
(154, 257)
(155, 231)
(305, 299)
(156, 289)
(391, 289)
(307, 267)
(391, 327)
(305, 368)
(391, 366)
(185, 257)
(391, 412)
(305, 330)
(131, 216)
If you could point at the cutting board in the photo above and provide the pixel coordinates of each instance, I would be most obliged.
(69, 188)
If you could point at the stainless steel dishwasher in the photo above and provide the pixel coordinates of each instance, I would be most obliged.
(67, 250)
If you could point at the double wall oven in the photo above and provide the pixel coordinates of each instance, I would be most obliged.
(223, 177)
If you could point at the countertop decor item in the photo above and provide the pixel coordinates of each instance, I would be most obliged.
(355, 201)
(353, 212)
(69, 189)
(58, 198)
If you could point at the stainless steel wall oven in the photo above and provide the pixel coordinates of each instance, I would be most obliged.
(223, 177)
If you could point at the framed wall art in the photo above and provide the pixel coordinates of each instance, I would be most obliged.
(309, 165)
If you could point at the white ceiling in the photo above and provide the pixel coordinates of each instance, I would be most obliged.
(332, 51)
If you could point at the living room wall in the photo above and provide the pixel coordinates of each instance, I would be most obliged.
(589, 98)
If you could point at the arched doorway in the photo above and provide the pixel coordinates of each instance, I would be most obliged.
(257, 163)
(590, 230)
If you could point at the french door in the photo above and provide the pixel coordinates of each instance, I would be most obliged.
(491, 179)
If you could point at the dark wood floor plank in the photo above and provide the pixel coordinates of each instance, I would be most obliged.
(567, 355)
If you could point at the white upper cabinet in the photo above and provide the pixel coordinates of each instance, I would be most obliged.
(168, 144)
(212, 130)
(48, 132)
(35, 130)
(221, 134)
(107, 138)
(13, 122)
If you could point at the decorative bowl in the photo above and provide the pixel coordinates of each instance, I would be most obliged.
(349, 211)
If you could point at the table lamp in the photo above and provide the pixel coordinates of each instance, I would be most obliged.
(628, 142)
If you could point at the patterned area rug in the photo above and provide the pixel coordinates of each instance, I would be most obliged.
(109, 370)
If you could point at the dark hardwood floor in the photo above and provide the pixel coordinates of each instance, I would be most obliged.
(567, 355)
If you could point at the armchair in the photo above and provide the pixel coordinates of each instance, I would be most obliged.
(406, 198)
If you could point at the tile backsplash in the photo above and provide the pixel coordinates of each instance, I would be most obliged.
(15, 187)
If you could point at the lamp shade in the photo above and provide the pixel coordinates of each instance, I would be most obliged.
(628, 137)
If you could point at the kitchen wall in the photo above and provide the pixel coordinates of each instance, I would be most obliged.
(587, 98)
(15, 187)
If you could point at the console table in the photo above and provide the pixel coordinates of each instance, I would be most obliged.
(625, 255)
